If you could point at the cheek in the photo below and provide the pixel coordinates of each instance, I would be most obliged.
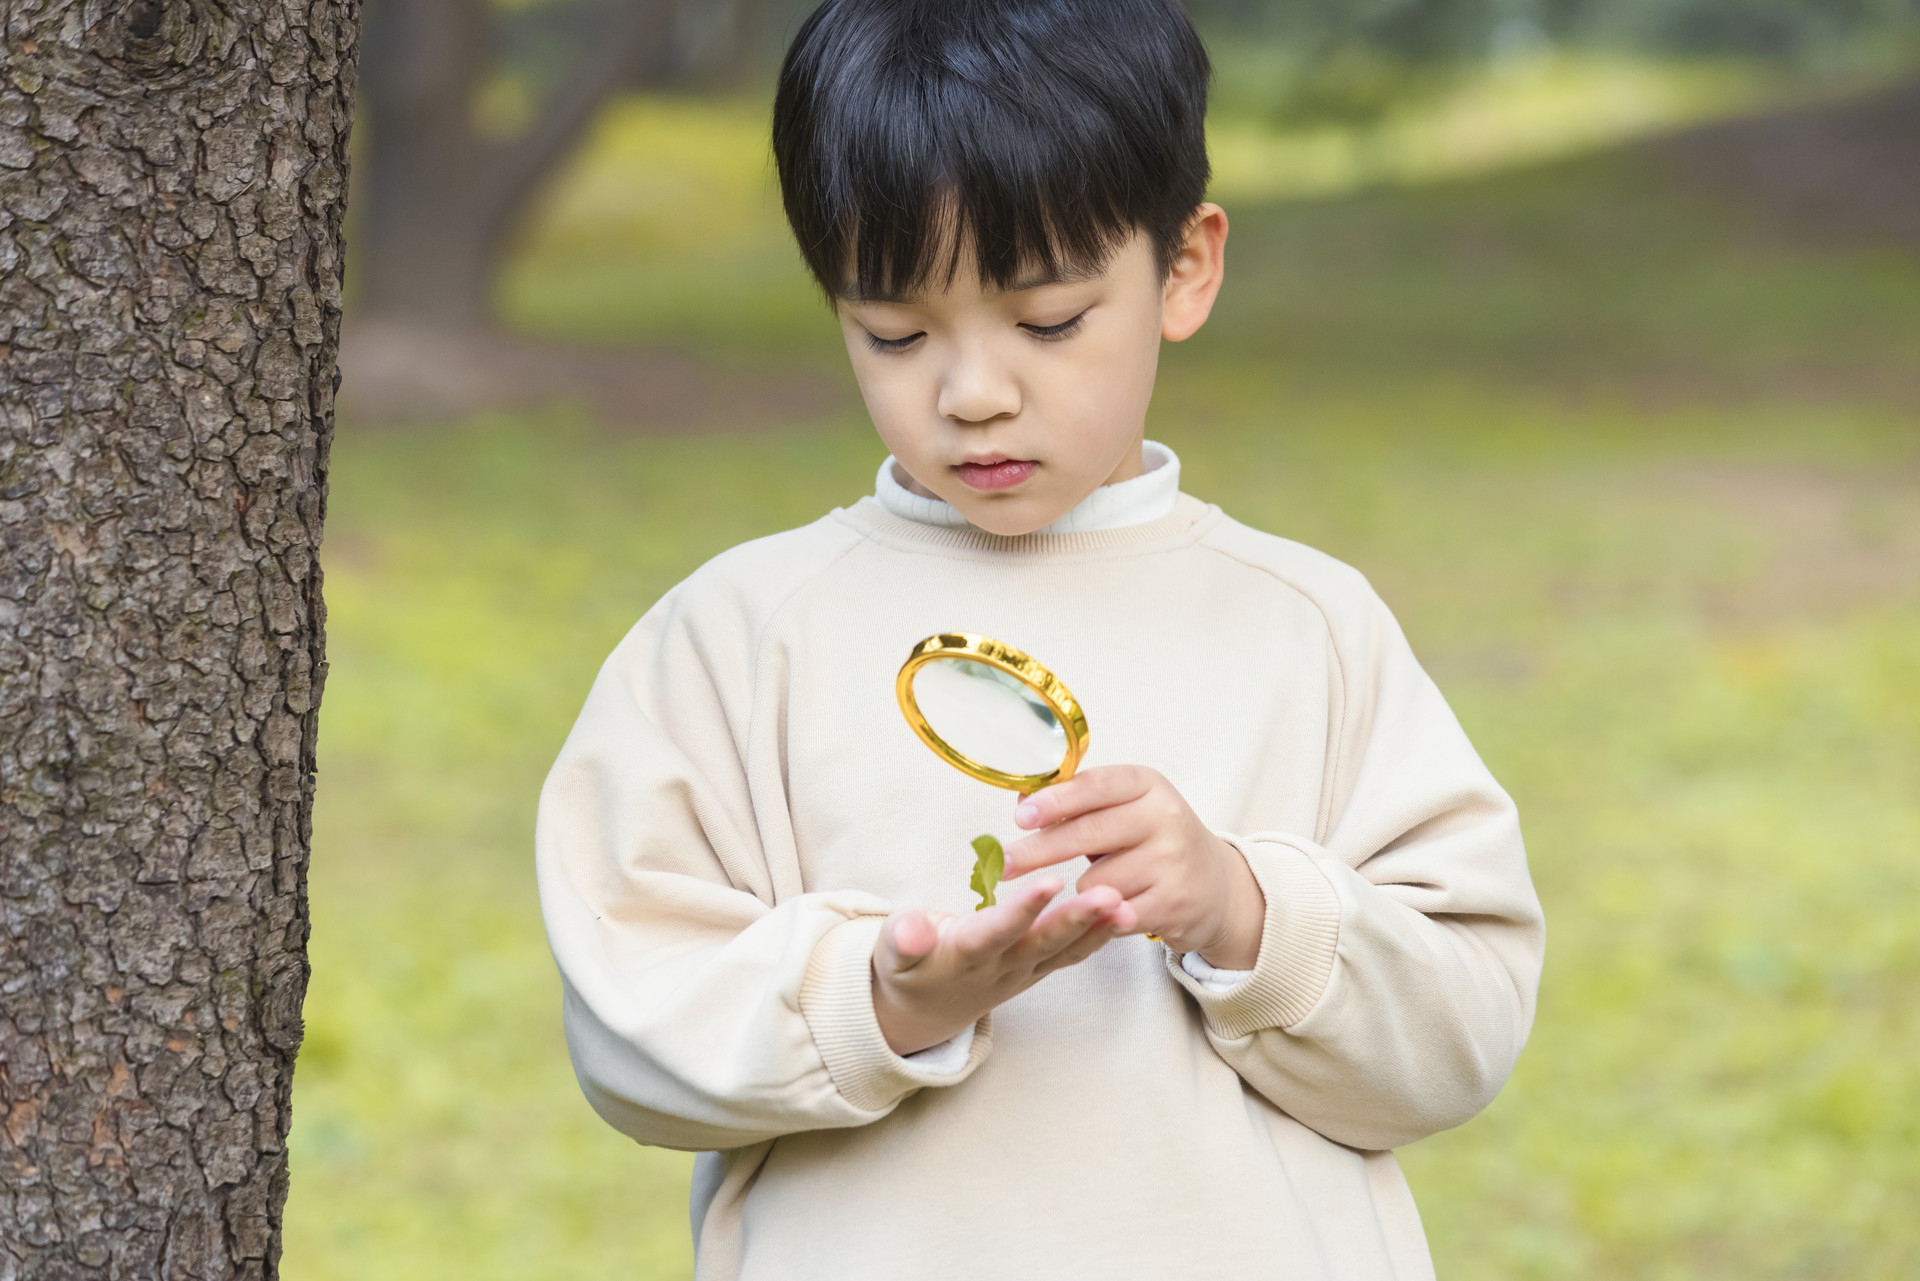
(1131, 363)
(896, 398)
(878, 378)
(1111, 377)
(882, 384)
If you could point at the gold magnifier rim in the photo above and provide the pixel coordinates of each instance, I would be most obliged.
(1020, 666)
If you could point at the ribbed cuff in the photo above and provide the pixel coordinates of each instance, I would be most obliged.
(836, 999)
(1297, 945)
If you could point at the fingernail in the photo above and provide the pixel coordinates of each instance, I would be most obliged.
(1026, 813)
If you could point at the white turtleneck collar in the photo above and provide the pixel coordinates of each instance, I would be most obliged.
(1129, 502)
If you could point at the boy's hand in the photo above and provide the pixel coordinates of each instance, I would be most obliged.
(934, 975)
(1185, 884)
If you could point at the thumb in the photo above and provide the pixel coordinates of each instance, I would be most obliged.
(911, 937)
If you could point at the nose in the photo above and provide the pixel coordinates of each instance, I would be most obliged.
(977, 388)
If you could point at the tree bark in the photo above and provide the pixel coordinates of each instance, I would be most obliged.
(172, 177)
(442, 199)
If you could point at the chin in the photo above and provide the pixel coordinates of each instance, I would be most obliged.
(1010, 523)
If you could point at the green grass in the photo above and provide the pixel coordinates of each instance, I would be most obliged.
(1629, 470)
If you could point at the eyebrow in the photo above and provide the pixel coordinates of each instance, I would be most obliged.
(1070, 275)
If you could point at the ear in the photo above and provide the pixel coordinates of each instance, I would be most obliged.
(1198, 268)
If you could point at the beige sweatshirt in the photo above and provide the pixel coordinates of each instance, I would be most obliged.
(740, 805)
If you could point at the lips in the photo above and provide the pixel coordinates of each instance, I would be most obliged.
(999, 473)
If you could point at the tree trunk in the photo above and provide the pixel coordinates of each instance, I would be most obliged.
(172, 175)
(442, 200)
(423, 236)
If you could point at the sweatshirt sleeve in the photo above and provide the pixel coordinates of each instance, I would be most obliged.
(1396, 977)
(708, 1002)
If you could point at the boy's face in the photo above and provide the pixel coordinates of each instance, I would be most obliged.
(1015, 405)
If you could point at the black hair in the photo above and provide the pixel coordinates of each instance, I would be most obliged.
(1039, 133)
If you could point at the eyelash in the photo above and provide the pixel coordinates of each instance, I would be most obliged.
(1054, 333)
(1045, 333)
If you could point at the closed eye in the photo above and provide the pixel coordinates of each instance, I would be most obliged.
(878, 343)
(1053, 333)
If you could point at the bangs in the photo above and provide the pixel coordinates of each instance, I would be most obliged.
(1034, 137)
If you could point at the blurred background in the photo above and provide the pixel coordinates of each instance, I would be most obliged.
(1588, 329)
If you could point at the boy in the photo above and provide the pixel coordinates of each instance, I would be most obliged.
(755, 881)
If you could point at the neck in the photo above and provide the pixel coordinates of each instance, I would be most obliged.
(1134, 464)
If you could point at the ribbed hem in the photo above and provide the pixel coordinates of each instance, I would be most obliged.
(1187, 522)
(836, 999)
(1301, 935)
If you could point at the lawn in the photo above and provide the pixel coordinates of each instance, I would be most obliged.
(1640, 476)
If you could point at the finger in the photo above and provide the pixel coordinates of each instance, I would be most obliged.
(911, 938)
(1102, 831)
(1131, 872)
(1104, 929)
(1156, 913)
(995, 929)
(1064, 922)
(1089, 790)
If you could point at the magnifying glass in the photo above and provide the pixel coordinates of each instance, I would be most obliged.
(992, 712)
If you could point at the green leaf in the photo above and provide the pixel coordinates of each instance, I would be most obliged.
(987, 867)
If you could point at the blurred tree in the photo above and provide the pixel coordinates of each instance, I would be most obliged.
(171, 183)
(1348, 60)
(1779, 29)
(1452, 28)
(472, 105)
